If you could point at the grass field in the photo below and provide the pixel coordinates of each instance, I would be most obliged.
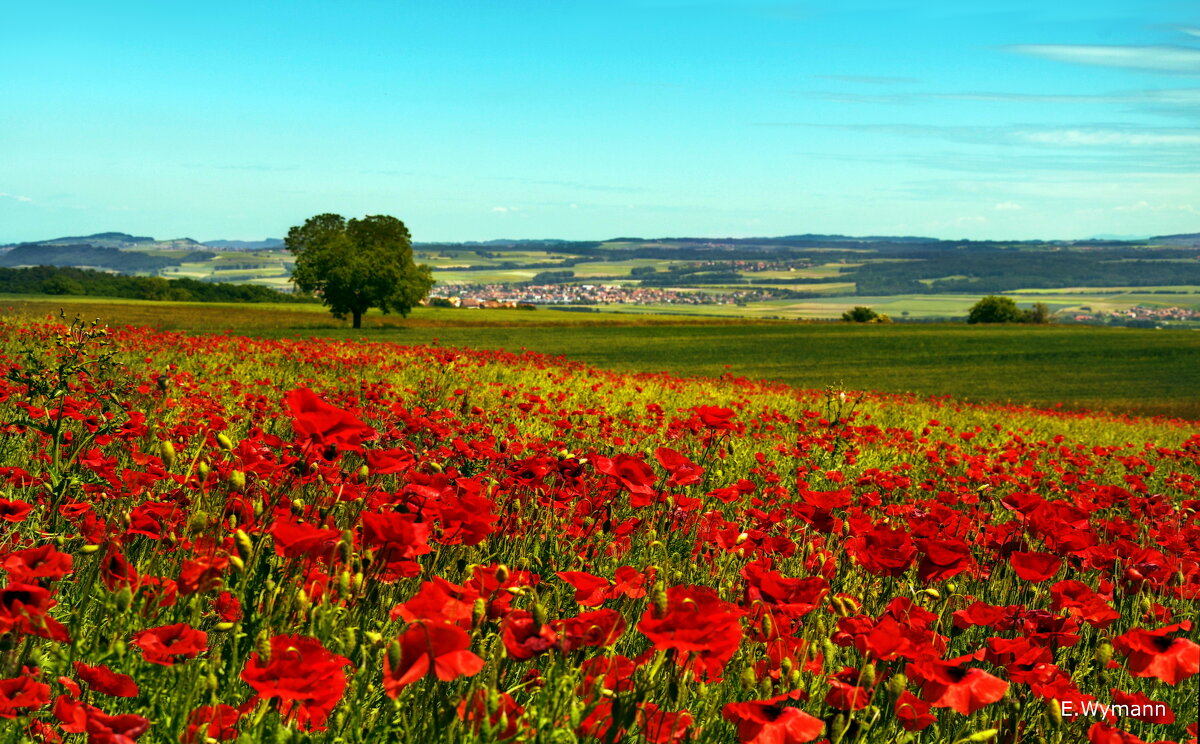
(1123, 370)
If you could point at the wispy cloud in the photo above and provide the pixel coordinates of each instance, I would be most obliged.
(569, 184)
(1107, 137)
(15, 197)
(869, 79)
(1160, 58)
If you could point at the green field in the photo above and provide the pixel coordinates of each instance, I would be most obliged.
(1154, 372)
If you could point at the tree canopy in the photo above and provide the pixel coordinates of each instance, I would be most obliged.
(356, 265)
(995, 309)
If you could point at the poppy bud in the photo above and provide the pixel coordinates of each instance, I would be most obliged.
(837, 727)
(866, 675)
(119, 649)
(795, 679)
(539, 617)
(1054, 708)
(239, 566)
(358, 582)
(364, 472)
(166, 452)
(373, 637)
(344, 583)
(243, 543)
(829, 650)
(124, 599)
(768, 627)
(839, 606)
(1104, 654)
(394, 654)
(659, 600)
(748, 680)
(302, 603)
(237, 479)
(223, 442)
(223, 626)
(263, 646)
(764, 687)
(86, 549)
(345, 549)
(896, 685)
(203, 470)
(502, 573)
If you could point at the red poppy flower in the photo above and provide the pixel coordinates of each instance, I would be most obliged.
(682, 471)
(440, 646)
(1155, 653)
(882, 550)
(662, 727)
(524, 638)
(715, 417)
(695, 622)
(1147, 710)
(631, 582)
(383, 462)
(944, 558)
(211, 722)
(397, 539)
(913, 712)
(20, 695)
(303, 540)
(101, 728)
(597, 628)
(305, 678)
(476, 709)
(1102, 733)
(947, 685)
(25, 608)
(14, 511)
(1082, 602)
(1035, 567)
(227, 607)
(44, 562)
(632, 473)
(170, 644)
(792, 597)
(322, 425)
(768, 722)
(590, 590)
(106, 681)
(437, 600)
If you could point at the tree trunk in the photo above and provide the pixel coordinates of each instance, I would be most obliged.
(358, 319)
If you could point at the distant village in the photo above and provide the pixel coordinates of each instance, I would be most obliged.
(1138, 314)
(531, 295)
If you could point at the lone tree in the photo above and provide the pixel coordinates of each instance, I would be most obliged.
(861, 314)
(995, 309)
(357, 265)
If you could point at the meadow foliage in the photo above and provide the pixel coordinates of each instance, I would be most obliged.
(231, 539)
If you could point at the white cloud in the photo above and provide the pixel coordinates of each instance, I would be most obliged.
(503, 210)
(1007, 206)
(1162, 58)
(1145, 206)
(1086, 137)
(15, 197)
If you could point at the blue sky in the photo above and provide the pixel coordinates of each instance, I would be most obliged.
(589, 120)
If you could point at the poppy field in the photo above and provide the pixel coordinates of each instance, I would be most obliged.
(230, 539)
